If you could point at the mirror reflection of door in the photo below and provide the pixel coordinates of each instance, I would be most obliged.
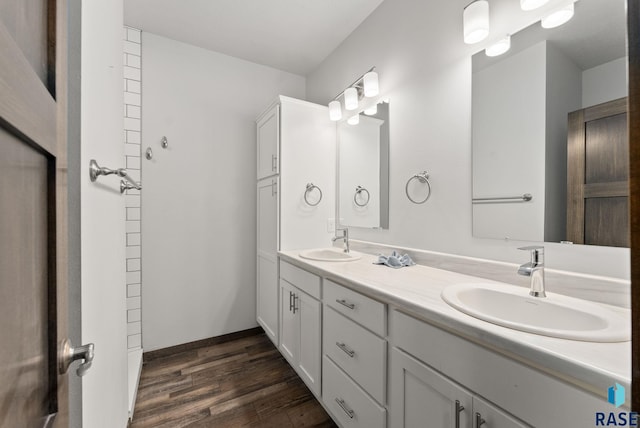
(32, 212)
(597, 175)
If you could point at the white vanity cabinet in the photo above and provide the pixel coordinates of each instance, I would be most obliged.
(268, 138)
(419, 396)
(432, 368)
(355, 357)
(300, 323)
(295, 146)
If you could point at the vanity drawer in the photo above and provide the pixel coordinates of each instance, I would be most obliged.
(368, 312)
(357, 351)
(305, 281)
(349, 404)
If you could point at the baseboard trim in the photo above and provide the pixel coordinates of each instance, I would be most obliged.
(159, 353)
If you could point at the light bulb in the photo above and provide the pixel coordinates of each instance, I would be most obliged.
(354, 120)
(335, 110)
(475, 20)
(558, 17)
(500, 47)
(370, 81)
(532, 4)
(351, 98)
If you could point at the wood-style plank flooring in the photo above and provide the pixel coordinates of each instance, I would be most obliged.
(244, 382)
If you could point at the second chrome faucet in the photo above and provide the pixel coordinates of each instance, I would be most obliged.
(535, 270)
(345, 237)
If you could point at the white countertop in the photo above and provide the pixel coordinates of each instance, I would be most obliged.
(416, 291)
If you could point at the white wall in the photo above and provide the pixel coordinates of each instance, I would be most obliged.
(604, 83)
(425, 68)
(198, 214)
(104, 388)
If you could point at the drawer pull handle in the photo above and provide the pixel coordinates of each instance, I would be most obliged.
(459, 409)
(351, 353)
(344, 407)
(346, 304)
(479, 420)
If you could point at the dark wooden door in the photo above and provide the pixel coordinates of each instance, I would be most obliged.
(33, 248)
(597, 175)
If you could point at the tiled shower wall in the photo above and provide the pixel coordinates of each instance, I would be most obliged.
(132, 128)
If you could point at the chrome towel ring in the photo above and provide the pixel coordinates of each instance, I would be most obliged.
(359, 191)
(309, 189)
(422, 177)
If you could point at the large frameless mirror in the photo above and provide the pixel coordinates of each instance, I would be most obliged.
(549, 132)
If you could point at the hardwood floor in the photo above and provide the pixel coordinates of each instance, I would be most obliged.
(244, 382)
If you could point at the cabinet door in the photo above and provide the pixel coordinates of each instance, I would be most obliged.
(289, 324)
(268, 137)
(420, 397)
(267, 259)
(493, 417)
(308, 310)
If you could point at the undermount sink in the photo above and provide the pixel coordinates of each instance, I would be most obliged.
(555, 315)
(329, 255)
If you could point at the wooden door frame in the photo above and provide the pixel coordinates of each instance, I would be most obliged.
(633, 31)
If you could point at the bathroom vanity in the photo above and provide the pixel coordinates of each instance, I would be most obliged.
(380, 348)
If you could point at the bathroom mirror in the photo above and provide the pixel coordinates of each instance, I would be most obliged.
(520, 106)
(363, 169)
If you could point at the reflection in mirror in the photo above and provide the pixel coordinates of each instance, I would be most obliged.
(521, 102)
(363, 169)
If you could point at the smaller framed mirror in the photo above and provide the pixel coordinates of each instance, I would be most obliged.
(363, 169)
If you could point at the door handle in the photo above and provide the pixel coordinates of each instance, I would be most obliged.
(69, 354)
(459, 409)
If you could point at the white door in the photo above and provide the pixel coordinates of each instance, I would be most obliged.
(104, 388)
(493, 417)
(289, 323)
(309, 311)
(421, 397)
(268, 138)
(267, 258)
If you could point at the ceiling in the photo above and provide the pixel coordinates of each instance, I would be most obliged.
(290, 35)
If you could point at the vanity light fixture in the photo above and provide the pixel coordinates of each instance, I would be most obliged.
(500, 47)
(354, 120)
(532, 4)
(335, 110)
(370, 83)
(371, 110)
(558, 17)
(475, 20)
(364, 86)
(351, 98)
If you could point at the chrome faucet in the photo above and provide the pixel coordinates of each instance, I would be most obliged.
(345, 237)
(535, 270)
